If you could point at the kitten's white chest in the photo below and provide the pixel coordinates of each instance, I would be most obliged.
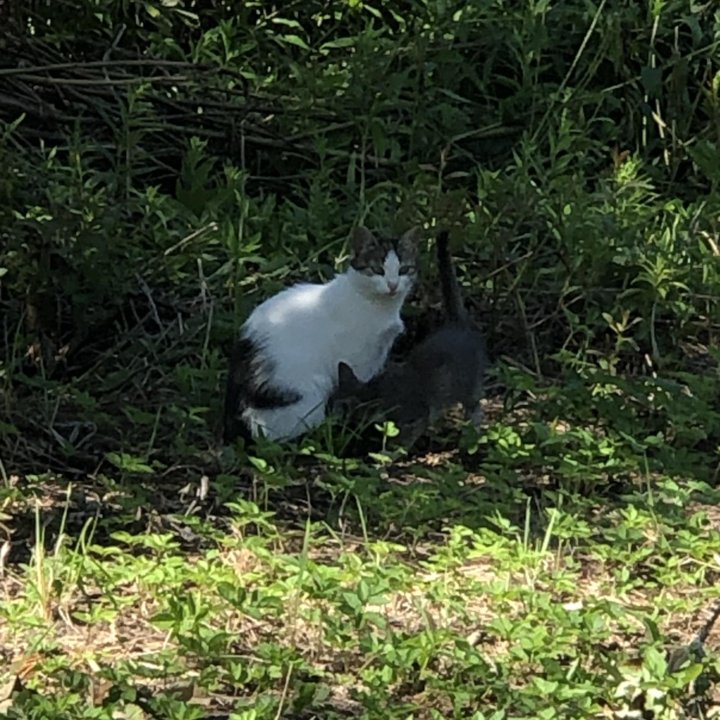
(366, 353)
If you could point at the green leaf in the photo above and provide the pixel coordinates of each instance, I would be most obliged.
(689, 674)
(546, 687)
(287, 22)
(129, 463)
(164, 620)
(655, 662)
(353, 601)
(295, 40)
(259, 463)
(389, 429)
(363, 591)
(338, 43)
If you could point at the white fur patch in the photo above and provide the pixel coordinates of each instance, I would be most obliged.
(306, 330)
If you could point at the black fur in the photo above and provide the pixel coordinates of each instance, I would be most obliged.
(449, 285)
(244, 389)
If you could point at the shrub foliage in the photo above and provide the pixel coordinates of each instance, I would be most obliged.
(167, 164)
(164, 156)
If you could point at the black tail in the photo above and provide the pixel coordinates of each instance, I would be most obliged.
(233, 426)
(244, 390)
(452, 297)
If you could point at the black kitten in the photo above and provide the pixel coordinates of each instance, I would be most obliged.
(447, 368)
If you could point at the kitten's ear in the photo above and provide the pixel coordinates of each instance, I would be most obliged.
(361, 239)
(409, 240)
(346, 376)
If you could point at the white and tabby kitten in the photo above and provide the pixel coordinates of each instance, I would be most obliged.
(285, 364)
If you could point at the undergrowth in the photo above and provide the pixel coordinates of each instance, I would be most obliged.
(166, 166)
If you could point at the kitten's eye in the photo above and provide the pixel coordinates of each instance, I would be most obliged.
(407, 269)
(372, 270)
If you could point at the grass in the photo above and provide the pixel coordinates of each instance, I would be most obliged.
(484, 585)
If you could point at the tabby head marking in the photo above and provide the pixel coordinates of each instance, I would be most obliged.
(384, 267)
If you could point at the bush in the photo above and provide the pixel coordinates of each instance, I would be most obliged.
(155, 154)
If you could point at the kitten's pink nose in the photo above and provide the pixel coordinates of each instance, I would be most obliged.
(393, 286)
